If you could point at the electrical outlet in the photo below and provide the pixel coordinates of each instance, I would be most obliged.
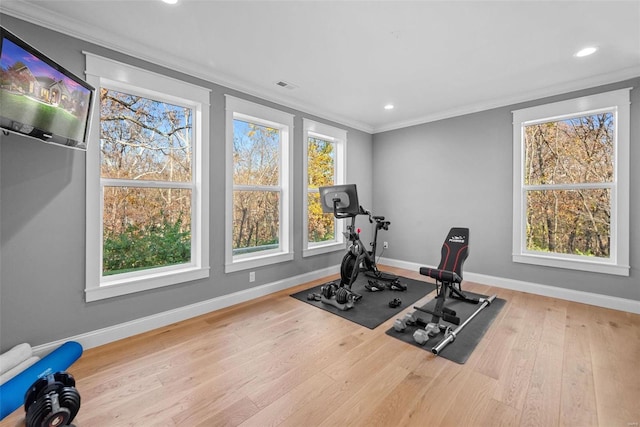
(252, 276)
(385, 245)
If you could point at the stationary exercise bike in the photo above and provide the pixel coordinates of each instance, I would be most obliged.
(359, 259)
(342, 201)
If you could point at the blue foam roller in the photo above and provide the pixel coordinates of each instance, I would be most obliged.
(13, 391)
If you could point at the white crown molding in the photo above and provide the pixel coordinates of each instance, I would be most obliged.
(38, 15)
(560, 89)
(120, 43)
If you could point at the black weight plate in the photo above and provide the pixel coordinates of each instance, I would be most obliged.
(38, 411)
(34, 391)
(342, 296)
(70, 399)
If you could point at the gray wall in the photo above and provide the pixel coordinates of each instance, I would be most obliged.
(427, 178)
(42, 227)
(458, 172)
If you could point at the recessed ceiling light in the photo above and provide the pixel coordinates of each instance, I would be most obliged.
(586, 51)
(389, 107)
(170, 1)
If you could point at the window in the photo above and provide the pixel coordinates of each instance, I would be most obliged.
(147, 181)
(324, 165)
(258, 204)
(571, 184)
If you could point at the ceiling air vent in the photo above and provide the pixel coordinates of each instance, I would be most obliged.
(287, 85)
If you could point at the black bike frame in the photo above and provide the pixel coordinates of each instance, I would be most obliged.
(357, 249)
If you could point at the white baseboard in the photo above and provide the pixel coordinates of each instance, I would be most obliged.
(123, 330)
(606, 301)
(148, 323)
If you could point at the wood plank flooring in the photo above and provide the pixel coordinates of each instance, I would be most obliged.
(276, 361)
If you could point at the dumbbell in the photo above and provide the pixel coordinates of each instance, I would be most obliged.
(328, 290)
(409, 319)
(52, 401)
(421, 336)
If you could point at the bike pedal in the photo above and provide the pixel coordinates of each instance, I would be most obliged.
(397, 286)
(374, 286)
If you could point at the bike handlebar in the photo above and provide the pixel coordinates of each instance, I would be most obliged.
(380, 222)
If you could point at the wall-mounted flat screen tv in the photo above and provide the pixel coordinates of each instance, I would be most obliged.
(41, 99)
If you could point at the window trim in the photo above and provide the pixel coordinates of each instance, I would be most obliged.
(237, 108)
(115, 75)
(312, 128)
(618, 102)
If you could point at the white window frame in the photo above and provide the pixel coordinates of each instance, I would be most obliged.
(104, 72)
(616, 102)
(241, 109)
(338, 136)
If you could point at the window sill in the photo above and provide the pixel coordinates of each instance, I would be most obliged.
(257, 261)
(573, 264)
(114, 288)
(323, 249)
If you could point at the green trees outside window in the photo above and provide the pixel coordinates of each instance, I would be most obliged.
(146, 175)
(321, 172)
(568, 174)
(256, 181)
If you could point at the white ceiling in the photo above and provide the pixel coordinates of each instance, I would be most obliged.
(347, 59)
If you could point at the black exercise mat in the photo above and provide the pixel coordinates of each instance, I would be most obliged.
(373, 308)
(468, 338)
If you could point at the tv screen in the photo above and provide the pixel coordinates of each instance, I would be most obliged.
(340, 200)
(39, 98)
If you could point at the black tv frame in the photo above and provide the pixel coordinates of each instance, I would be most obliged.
(16, 126)
(341, 200)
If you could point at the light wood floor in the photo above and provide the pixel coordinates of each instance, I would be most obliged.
(279, 361)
